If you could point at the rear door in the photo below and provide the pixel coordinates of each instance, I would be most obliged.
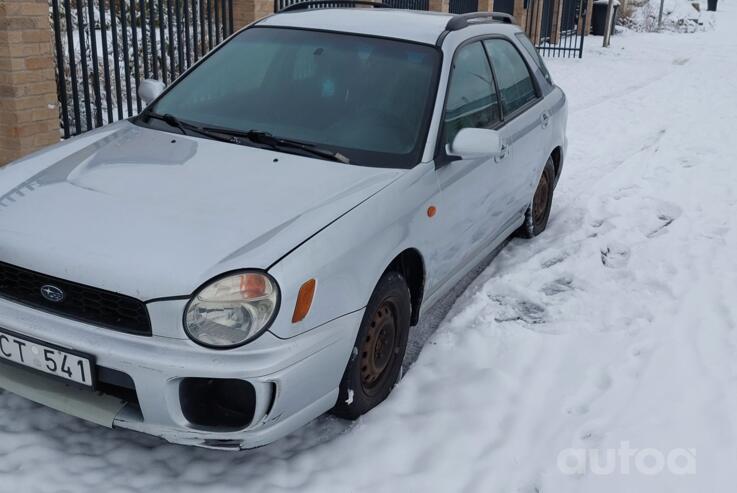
(526, 125)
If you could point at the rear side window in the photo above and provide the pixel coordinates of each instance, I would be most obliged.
(512, 75)
(530, 48)
(472, 100)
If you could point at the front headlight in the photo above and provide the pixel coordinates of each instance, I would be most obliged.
(233, 310)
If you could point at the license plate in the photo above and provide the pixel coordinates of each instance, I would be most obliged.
(44, 357)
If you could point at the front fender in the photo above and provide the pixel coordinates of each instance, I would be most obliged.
(348, 257)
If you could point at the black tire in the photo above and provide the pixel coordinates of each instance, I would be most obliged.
(537, 215)
(373, 370)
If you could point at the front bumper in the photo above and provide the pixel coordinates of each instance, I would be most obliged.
(295, 380)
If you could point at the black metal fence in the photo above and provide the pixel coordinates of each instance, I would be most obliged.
(463, 6)
(282, 4)
(395, 4)
(557, 26)
(104, 48)
(408, 4)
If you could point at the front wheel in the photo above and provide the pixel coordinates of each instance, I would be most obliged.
(376, 359)
(536, 217)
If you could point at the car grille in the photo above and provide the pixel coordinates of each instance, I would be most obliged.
(84, 303)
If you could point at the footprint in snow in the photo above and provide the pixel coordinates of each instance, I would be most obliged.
(626, 192)
(515, 309)
(638, 358)
(666, 221)
(532, 486)
(590, 434)
(595, 226)
(546, 264)
(615, 256)
(666, 214)
(558, 256)
(594, 388)
(600, 227)
(560, 285)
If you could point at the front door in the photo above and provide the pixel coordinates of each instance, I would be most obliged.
(470, 189)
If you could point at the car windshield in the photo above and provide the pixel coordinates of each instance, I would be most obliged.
(369, 99)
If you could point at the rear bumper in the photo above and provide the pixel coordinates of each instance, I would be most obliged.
(295, 380)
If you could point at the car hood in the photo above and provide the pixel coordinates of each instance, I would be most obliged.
(152, 214)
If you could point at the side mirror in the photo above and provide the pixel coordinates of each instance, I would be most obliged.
(476, 142)
(150, 89)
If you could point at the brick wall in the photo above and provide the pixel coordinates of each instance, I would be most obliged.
(439, 5)
(247, 11)
(486, 6)
(28, 100)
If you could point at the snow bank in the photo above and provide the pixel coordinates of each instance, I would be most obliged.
(678, 16)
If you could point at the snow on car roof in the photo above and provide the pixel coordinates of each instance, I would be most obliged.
(422, 27)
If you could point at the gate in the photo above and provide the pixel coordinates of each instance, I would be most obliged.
(556, 27)
(104, 48)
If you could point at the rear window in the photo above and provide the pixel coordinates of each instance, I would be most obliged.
(512, 75)
(530, 48)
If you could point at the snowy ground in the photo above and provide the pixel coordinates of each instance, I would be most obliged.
(616, 329)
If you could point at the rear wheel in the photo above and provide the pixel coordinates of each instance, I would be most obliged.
(376, 360)
(537, 215)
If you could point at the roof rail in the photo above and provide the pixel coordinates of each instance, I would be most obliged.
(330, 3)
(465, 20)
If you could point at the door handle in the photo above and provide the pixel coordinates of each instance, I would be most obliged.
(545, 119)
(503, 151)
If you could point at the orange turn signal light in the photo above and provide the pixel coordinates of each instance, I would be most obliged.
(253, 286)
(304, 301)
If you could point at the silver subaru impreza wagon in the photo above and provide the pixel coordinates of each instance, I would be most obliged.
(254, 248)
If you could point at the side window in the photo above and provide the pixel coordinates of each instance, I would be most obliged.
(472, 101)
(530, 48)
(512, 75)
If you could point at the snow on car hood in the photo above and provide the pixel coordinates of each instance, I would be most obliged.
(153, 214)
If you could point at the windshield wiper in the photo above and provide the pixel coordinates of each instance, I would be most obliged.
(280, 143)
(233, 137)
(183, 127)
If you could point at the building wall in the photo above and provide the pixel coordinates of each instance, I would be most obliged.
(28, 99)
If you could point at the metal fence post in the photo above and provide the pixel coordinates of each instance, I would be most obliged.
(609, 20)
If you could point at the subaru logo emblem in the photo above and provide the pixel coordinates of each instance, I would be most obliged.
(52, 293)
